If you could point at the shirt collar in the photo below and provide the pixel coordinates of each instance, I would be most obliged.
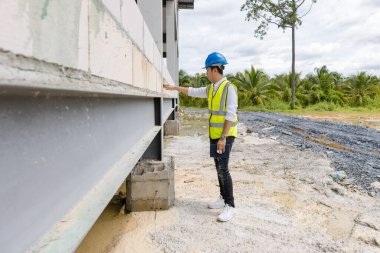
(220, 81)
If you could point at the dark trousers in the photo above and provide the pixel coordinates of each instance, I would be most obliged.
(224, 177)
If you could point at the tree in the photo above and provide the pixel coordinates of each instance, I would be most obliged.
(184, 78)
(282, 85)
(199, 80)
(282, 13)
(254, 84)
(361, 87)
(328, 84)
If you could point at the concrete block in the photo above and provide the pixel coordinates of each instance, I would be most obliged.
(166, 75)
(159, 82)
(40, 29)
(83, 39)
(177, 115)
(110, 48)
(15, 17)
(152, 12)
(150, 186)
(157, 59)
(171, 127)
(145, 75)
(140, 65)
(151, 78)
(133, 22)
(168, 80)
(149, 44)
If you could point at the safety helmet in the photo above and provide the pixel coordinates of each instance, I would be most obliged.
(215, 59)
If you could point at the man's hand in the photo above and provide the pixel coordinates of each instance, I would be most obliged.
(169, 87)
(184, 90)
(221, 146)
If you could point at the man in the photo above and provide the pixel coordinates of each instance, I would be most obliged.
(222, 105)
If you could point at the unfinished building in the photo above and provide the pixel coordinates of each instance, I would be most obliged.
(81, 102)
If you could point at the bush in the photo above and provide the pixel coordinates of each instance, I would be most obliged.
(187, 101)
(373, 104)
(277, 105)
(323, 106)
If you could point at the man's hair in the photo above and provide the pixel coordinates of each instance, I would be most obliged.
(219, 68)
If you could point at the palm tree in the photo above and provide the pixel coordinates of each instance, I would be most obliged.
(254, 86)
(282, 88)
(184, 78)
(361, 87)
(326, 86)
(282, 85)
(199, 80)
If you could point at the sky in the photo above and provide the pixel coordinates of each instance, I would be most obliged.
(344, 35)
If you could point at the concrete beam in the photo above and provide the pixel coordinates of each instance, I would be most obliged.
(27, 76)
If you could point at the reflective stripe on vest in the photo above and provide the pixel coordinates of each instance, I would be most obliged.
(217, 110)
(221, 125)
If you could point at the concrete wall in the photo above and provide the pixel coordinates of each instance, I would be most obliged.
(42, 30)
(107, 38)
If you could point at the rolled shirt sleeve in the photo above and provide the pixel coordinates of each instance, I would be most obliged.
(197, 92)
(232, 104)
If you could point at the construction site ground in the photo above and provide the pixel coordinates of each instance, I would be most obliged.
(286, 199)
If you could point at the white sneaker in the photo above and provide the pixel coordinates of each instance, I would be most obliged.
(227, 213)
(217, 204)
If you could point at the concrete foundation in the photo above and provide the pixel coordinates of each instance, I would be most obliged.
(150, 186)
(171, 127)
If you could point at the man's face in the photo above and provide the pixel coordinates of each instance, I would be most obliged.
(209, 74)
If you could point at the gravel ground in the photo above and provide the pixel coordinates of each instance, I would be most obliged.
(353, 149)
(286, 200)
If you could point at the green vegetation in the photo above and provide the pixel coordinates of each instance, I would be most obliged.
(320, 91)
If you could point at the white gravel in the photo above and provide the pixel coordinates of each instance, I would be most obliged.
(285, 202)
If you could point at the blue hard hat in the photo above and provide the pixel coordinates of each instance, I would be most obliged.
(215, 59)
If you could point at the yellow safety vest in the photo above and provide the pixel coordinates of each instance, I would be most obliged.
(217, 110)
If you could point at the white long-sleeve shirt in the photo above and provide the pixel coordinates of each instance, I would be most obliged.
(231, 106)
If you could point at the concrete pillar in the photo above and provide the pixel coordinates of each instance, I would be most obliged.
(177, 115)
(172, 39)
(152, 13)
(171, 127)
(150, 186)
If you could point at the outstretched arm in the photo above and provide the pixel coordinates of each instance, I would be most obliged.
(184, 90)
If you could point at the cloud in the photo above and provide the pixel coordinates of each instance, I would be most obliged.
(342, 34)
